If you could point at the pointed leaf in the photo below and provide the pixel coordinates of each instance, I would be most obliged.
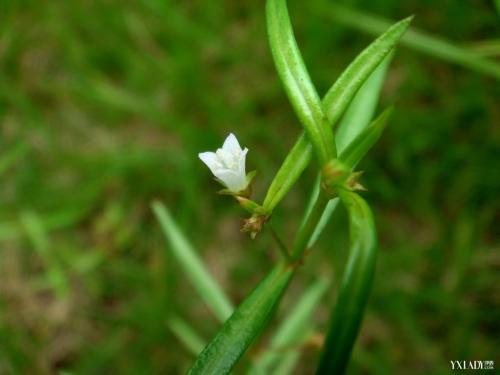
(292, 331)
(360, 146)
(246, 323)
(361, 111)
(355, 286)
(296, 80)
(339, 96)
(191, 264)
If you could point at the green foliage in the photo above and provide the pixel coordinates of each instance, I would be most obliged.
(248, 320)
(292, 332)
(360, 146)
(193, 267)
(355, 287)
(335, 103)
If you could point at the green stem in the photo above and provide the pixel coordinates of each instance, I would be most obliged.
(307, 229)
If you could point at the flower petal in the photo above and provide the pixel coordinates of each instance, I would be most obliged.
(211, 160)
(234, 181)
(225, 157)
(231, 144)
(241, 163)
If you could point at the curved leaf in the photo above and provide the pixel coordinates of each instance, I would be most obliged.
(355, 286)
(296, 80)
(248, 320)
(191, 264)
(292, 331)
(361, 111)
(339, 96)
(365, 141)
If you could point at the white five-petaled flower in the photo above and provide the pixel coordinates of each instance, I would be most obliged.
(228, 164)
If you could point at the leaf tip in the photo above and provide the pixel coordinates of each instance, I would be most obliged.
(407, 21)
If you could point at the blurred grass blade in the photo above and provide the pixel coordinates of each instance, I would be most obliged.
(205, 285)
(417, 40)
(248, 320)
(355, 286)
(287, 364)
(292, 331)
(191, 340)
(68, 216)
(489, 47)
(11, 156)
(37, 234)
(296, 80)
(335, 103)
(365, 141)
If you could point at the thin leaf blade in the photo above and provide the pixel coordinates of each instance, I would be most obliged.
(294, 329)
(355, 286)
(296, 80)
(361, 111)
(246, 323)
(365, 141)
(202, 281)
(340, 95)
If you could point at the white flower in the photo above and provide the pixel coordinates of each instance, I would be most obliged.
(228, 164)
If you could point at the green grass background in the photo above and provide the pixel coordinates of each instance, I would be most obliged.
(104, 106)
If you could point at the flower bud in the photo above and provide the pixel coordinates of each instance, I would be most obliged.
(334, 174)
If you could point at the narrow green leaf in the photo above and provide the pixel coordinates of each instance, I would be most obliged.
(248, 320)
(355, 286)
(325, 216)
(191, 264)
(313, 197)
(296, 80)
(292, 331)
(361, 111)
(323, 221)
(335, 103)
(294, 164)
(415, 39)
(189, 337)
(342, 92)
(365, 141)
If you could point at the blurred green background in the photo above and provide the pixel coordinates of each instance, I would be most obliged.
(104, 106)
